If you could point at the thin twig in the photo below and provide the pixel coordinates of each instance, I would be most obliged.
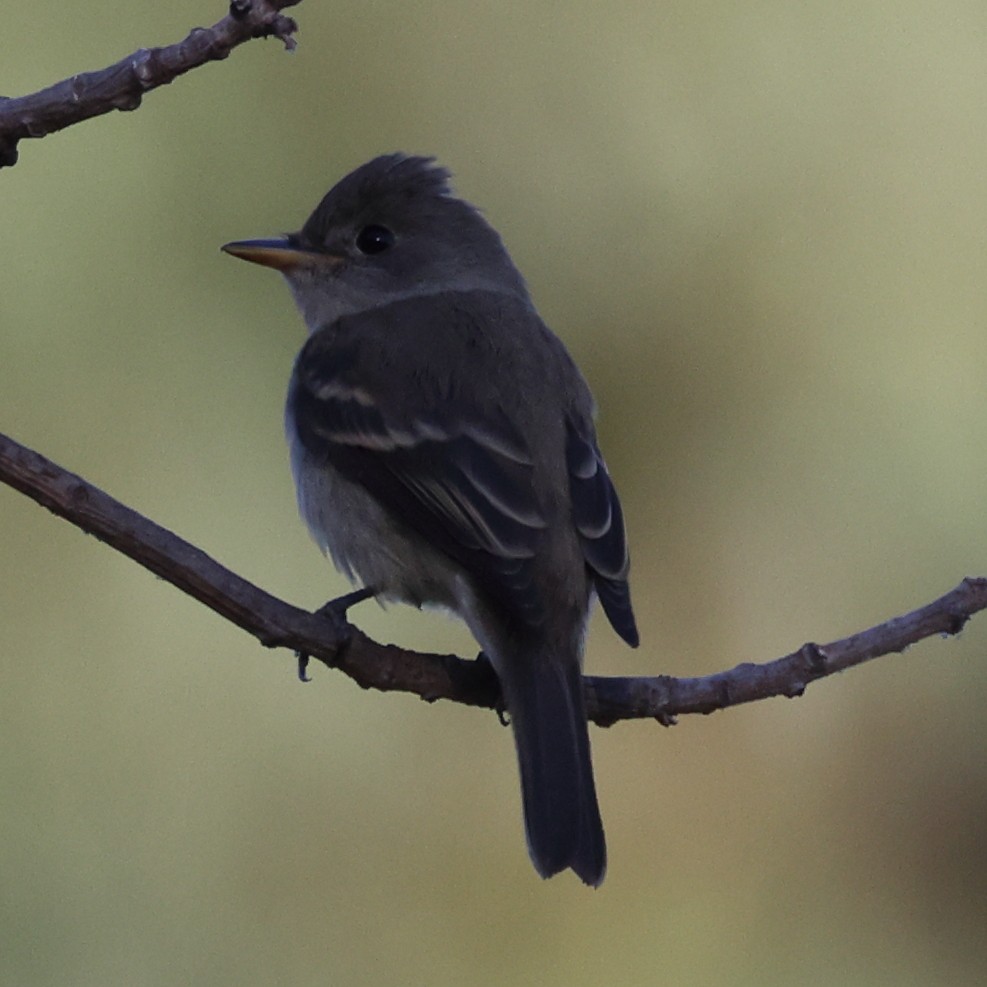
(340, 645)
(122, 86)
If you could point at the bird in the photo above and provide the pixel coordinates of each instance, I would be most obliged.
(444, 453)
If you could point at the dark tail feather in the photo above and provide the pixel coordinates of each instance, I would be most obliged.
(561, 817)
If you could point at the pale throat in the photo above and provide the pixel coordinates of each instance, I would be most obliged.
(325, 300)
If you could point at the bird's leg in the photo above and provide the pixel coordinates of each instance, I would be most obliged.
(339, 606)
(334, 610)
(487, 668)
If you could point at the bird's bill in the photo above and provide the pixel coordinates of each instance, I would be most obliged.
(280, 254)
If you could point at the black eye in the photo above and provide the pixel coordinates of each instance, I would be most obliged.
(374, 239)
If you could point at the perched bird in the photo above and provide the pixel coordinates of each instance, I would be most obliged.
(444, 453)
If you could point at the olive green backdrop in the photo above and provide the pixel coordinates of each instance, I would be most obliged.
(761, 230)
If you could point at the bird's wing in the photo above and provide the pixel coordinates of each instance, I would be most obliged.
(463, 483)
(600, 523)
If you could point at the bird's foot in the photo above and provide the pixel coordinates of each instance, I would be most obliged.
(334, 610)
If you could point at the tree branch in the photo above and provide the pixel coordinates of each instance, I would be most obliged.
(122, 86)
(339, 644)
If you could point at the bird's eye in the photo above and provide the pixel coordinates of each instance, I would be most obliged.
(374, 239)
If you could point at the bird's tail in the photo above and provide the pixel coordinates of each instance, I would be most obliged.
(561, 817)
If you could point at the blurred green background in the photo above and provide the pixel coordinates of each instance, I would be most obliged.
(760, 229)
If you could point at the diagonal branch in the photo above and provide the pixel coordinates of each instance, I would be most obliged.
(122, 86)
(340, 645)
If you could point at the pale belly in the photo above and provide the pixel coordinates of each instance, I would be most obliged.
(367, 546)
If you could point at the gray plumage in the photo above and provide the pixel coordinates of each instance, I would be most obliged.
(444, 453)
